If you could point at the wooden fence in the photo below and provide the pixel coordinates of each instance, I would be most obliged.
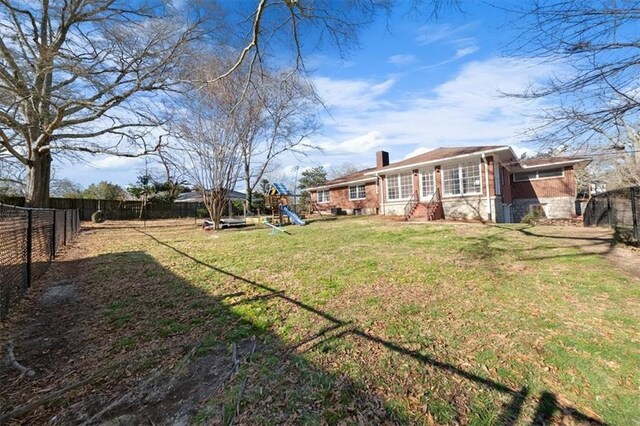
(119, 210)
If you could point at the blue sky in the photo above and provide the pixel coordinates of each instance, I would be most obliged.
(414, 85)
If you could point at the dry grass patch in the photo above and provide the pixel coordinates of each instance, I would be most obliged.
(354, 320)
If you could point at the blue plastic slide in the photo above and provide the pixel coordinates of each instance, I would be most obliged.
(292, 215)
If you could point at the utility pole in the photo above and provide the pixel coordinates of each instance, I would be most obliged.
(295, 188)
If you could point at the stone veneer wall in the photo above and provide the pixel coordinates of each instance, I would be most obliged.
(472, 208)
(554, 208)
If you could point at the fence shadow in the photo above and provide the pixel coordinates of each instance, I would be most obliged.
(128, 311)
(144, 320)
(510, 413)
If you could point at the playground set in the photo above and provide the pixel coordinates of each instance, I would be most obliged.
(277, 199)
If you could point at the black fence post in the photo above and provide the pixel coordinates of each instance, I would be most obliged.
(65, 228)
(634, 215)
(609, 208)
(29, 248)
(53, 236)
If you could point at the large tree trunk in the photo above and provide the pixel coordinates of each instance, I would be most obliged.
(39, 179)
(214, 207)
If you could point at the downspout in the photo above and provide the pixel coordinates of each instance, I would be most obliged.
(379, 192)
(486, 182)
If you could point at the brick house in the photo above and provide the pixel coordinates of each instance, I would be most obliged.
(487, 182)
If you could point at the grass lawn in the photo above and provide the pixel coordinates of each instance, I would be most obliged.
(371, 321)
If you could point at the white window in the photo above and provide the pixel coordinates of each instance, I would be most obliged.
(538, 174)
(399, 186)
(357, 192)
(406, 185)
(323, 196)
(428, 183)
(451, 181)
(462, 179)
(497, 178)
(393, 190)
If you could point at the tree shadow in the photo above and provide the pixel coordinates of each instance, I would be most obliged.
(133, 331)
(133, 319)
(511, 411)
(529, 231)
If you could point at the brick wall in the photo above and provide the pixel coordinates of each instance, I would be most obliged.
(492, 182)
(545, 188)
(505, 181)
(339, 197)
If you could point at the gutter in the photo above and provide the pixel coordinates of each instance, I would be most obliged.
(561, 163)
(486, 181)
(380, 192)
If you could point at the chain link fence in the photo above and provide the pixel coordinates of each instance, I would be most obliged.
(620, 210)
(29, 240)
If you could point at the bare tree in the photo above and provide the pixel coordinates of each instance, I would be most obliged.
(595, 91)
(619, 167)
(208, 148)
(77, 76)
(344, 169)
(298, 25)
(280, 116)
(82, 76)
(273, 113)
(11, 174)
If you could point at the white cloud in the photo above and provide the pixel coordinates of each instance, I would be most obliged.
(366, 142)
(402, 60)
(465, 51)
(519, 150)
(468, 109)
(434, 33)
(351, 93)
(419, 150)
(113, 162)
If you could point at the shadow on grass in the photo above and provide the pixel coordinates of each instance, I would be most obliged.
(134, 322)
(511, 412)
(492, 246)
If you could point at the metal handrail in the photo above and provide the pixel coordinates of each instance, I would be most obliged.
(433, 203)
(436, 196)
(408, 208)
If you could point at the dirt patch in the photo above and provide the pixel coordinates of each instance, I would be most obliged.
(170, 396)
(59, 293)
(78, 324)
(335, 344)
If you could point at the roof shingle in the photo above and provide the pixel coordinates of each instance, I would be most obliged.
(442, 153)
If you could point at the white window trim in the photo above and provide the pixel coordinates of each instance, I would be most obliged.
(421, 185)
(328, 196)
(357, 185)
(399, 175)
(538, 178)
(461, 193)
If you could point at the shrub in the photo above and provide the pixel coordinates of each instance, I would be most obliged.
(532, 217)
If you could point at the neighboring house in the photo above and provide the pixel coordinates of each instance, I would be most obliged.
(197, 197)
(487, 182)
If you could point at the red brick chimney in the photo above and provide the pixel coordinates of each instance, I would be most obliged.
(382, 159)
